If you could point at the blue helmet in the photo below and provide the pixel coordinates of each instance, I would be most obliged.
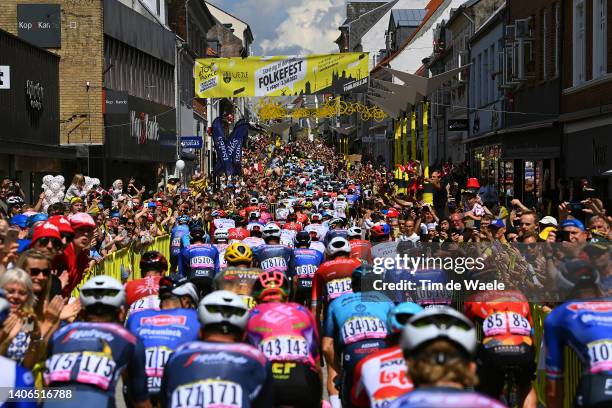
(33, 219)
(183, 219)
(400, 314)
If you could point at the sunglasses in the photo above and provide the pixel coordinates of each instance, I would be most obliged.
(57, 244)
(38, 271)
(100, 293)
(68, 237)
(130, 223)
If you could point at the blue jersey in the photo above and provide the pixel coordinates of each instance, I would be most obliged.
(352, 199)
(276, 258)
(355, 317)
(306, 263)
(200, 261)
(586, 326)
(175, 240)
(161, 332)
(15, 376)
(217, 374)
(444, 397)
(91, 356)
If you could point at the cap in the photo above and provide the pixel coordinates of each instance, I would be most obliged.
(548, 220)
(19, 220)
(572, 222)
(80, 220)
(497, 224)
(74, 200)
(61, 223)
(151, 204)
(46, 230)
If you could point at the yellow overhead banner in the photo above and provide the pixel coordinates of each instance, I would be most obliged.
(281, 75)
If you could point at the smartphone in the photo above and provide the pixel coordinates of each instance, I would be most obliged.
(575, 208)
(562, 236)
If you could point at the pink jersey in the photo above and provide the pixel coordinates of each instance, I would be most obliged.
(284, 332)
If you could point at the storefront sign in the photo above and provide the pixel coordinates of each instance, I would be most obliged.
(143, 127)
(116, 102)
(40, 24)
(5, 77)
(457, 125)
(35, 94)
(191, 142)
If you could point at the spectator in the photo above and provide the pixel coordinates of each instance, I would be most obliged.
(576, 230)
(76, 190)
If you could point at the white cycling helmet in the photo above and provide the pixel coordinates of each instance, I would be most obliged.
(338, 245)
(254, 225)
(354, 232)
(221, 234)
(341, 197)
(255, 214)
(254, 200)
(13, 200)
(102, 290)
(223, 308)
(187, 289)
(441, 322)
(316, 217)
(271, 230)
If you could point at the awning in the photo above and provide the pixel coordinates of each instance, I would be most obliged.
(514, 129)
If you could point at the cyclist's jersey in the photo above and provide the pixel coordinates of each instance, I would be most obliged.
(281, 214)
(320, 229)
(217, 375)
(90, 357)
(352, 199)
(15, 377)
(284, 332)
(142, 293)
(253, 242)
(221, 249)
(287, 237)
(200, 261)
(307, 262)
(238, 233)
(333, 233)
(340, 208)
(443, 397)
(265, 218)
(355, 317)
(585, 326)
(302, 218)
(240, 281)
(380, 378)
(161, 332)
(318, 246)
(333, 279)
(224, 223)
(175, 239)
(276, 258)
(361, 249)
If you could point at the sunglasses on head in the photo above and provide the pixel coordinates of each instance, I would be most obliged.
(38, 271)
(57, 244)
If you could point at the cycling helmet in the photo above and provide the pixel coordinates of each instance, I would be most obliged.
(33, 219)
(354, 232)
(102, 290)
(178, 286)
(183, 219)
(14, 200)
(400, 314)
(316, 217)
(153, 261)
(196, 231)
(271, 287)
(392, 213)
(238, 253)
(218, 213)
(223, 309)
(336, 221)
(302, 238)
(221, 234)
(338, 245)
(254, 215)
(341, 197)
(254, 226)
(271, 230)
(5, 307)
(441, 322)
(254, 201)
(362, 278)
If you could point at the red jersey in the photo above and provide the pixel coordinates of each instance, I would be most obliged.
(141, 288)
(333, 278)
(294, 226)
(361, 249)
(380, 378)
(238, 233)
(75, 265)
(302, 218)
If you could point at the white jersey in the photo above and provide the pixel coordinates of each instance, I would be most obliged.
(320, 229)
(281, 214)
(221, 223)
(319, 246)
(287, 237)
(221, 248)
(340, 209)
(253, 242)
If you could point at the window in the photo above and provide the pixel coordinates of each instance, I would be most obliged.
(544, 45)
(579, 43)
(158, 3)
(484, 88)
(557, 36)
(600, 32)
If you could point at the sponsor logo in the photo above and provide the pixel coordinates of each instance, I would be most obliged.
(220, 357)
(395, 362)
(160, 332)
(163, 320)
(592, 306)
(77, 334)
(387, 377)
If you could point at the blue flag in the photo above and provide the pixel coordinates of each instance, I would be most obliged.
(241, 130)
(224, 159)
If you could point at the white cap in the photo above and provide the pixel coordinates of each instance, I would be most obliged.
(548, 220)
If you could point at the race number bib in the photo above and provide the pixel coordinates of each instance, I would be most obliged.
(337, 287)
(284, 348)
(93, 368)
(363, 327)
(208, 394)
(506, 323)
(147, 302)
(176, 242)
(600, 354)
(305, 271)
(155, 360)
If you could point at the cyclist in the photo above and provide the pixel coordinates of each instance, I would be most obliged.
(316, 227)
(89, 356)
(583, 322)
(220, 220)
(218, 371)
(221, 236)
(341, 207)
(307, 261)
(438, 345)
(506, 344)
(176, 234)
(286, 333)
(355, 327)
(381, 377)
(200, 260)
(13, 375)
(273, 256)
(238, 255)
(255, 239)
(142, 293)
(360, 248)
(162, 331)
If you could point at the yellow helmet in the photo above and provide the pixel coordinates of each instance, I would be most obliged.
(238, 253)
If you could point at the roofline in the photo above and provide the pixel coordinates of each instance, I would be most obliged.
(489, 23)
(21, 40)
(383, 4)
(229, 14)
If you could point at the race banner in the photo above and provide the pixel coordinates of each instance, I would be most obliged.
(241, 130)
(281, 75)
(224, 160)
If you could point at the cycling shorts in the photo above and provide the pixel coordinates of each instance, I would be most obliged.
(296, 385)
(594, 391)
(303, 293)
(351, 356)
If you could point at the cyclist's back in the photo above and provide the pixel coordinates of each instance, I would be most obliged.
(15, 377)
(361, 249)
(276, 257)
(176, 234)
(307, 261)
(444, 397)
(201, 261)
(142, 293)
(333, 279)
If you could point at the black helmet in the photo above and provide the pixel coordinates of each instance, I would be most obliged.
(302, 239)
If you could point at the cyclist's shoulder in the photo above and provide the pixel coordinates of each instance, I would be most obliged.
(590, 307)
(109, 332)
(230, 353)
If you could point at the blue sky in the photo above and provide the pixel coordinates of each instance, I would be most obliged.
(289, 27)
